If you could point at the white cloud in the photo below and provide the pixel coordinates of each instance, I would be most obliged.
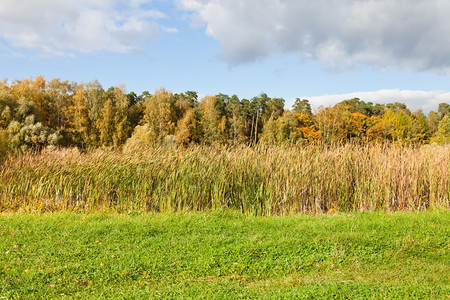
(425, 100)
(53, 27)
(409, 34)
(169, 29)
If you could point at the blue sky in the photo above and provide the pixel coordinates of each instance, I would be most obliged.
(322, 50)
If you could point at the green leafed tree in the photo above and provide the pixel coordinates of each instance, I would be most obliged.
(237, 121)
(31, 135)
(58, 93)
(433, 122)
(444, 110)
(159, 120)
(282, 131)
(442, 135)
(302, 107)
(330, 123)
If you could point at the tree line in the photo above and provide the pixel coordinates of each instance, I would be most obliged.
(35, 113)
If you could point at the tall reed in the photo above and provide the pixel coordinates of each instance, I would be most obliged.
(261, 181)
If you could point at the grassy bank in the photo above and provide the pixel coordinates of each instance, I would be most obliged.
(225, 255)
(263, 181)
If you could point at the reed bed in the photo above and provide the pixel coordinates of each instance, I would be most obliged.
(258, 181)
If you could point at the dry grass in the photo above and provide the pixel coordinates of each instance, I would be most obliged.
(262, 181)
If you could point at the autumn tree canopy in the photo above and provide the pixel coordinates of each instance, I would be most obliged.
(35, 113)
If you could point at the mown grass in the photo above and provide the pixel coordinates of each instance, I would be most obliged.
(225, 255)
(260, 181)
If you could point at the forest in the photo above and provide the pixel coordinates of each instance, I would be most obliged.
(35, 113)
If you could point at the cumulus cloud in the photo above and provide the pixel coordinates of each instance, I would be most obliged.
(425, 100)
(55, 27)
(409, 34)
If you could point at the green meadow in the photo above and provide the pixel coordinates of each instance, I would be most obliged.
(225, 255)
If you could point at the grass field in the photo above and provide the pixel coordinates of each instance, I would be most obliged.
(224, 254)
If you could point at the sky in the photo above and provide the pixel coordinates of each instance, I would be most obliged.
(323, 50)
